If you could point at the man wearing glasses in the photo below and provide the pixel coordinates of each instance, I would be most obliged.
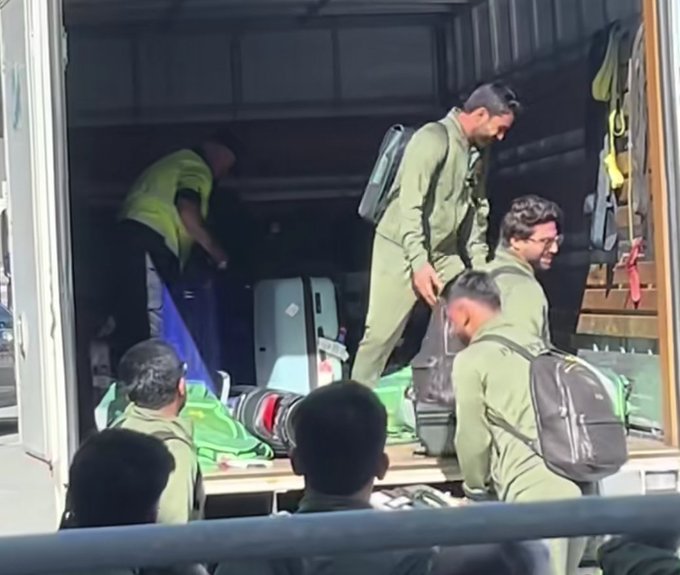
(530, 239)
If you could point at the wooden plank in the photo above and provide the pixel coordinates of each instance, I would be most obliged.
(644, 327)
(598, 275)
(622, 217)
(617, 300)
(406, 468)
(659, 207)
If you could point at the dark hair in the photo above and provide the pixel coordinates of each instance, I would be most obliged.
(497, 98)
(117, 478)
(226, 139)
(475, 285)
(526, 213)
(340, 432)
(150, 373)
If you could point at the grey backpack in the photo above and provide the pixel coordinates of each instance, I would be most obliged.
(580, 437)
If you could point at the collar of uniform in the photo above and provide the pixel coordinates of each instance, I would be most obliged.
(494, 325)
(316, 503)
(145, 414)
(452, 120)
(505, 257)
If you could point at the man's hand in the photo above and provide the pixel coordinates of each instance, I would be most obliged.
(427, 284)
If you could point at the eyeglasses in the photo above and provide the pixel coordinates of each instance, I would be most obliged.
(548, 242)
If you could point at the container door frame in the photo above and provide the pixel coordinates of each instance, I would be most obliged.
(46, 334)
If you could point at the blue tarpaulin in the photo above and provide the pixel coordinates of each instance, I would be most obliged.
(175, 331)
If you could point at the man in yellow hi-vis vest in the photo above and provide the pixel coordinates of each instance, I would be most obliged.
(161, 220)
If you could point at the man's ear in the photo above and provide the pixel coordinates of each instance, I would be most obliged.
(295, 463)
(383, 466)
(482, 114)
(182, 387)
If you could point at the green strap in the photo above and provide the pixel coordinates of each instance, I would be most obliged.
(514, 346)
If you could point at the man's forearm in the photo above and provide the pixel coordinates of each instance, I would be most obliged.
(195, 227)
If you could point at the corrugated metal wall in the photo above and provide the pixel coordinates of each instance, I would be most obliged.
(496, 37)
(217, 71)
(541, 48)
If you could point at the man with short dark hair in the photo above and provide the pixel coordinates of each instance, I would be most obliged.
(340, 432)
(116, 478)
(530, 239)
(153, 378)
(492, 383)
(435, 220)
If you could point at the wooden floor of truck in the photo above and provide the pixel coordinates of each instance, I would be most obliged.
(406, 468)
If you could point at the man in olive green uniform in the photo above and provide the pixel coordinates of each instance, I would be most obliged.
(492, 382)
(161, 220)
(530, 238)
(644, 554)
(417, 246)
(153, 378)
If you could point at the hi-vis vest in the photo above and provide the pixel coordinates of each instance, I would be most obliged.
(151, 200)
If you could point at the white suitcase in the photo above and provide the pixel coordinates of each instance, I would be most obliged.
(290, 317)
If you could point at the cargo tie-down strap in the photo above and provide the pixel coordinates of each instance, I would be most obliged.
(635, 289)
(637, 132)
(606, 88)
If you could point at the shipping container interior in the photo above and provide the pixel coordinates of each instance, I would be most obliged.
(307, 89)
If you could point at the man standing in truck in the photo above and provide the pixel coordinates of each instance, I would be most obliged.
(163, 217)
(436, 219)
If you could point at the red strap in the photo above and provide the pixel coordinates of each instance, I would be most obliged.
(634, 272)
(269, 412)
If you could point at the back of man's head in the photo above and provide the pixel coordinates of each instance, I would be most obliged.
(472, 299)
(340, 432)
(151, 374)
(476, 286)
(117, 478)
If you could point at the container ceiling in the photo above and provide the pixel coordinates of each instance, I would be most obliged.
(100, 11)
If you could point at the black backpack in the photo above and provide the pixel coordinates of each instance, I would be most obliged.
(268, 415)
(433, 364)
(580, 436)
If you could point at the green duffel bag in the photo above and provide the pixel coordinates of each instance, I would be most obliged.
(218, 437)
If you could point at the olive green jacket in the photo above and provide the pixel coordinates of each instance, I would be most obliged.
(491, 383)
(438, 182)
(523, 300)
(624, 557)
(183, 499)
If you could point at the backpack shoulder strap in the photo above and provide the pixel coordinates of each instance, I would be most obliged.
(162, 435)
(166, 436)
(448, 145)
(505, 426)
(506, 270)
(514, 346)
